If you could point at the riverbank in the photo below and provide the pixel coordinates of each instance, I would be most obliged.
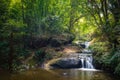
(55, 47)
(106, 58)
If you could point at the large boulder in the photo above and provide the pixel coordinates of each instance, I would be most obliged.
(66, 63)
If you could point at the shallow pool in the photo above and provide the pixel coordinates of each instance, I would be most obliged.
(58, 74)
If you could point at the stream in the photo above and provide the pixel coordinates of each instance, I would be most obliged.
(85, 72)
(58, 74)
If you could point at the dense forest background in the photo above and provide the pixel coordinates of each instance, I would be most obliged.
(28, 25)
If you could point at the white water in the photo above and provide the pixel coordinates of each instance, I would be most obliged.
(82, 61)
(87, 44)
(86, 59)
(86, 50)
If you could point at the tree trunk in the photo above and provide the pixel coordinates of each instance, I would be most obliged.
(10, 60)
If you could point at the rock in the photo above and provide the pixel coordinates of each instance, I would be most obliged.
(55, 43)
(68, 63)
(82, 45)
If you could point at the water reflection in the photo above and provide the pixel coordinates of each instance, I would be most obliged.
(58, 74)
(80, 74)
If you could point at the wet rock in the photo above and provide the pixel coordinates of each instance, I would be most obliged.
(82, 45)
(66, 63)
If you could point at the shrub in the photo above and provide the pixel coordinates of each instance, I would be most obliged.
(39, 56)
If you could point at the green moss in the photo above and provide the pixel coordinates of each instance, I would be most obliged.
(39, 56)
(117, 69)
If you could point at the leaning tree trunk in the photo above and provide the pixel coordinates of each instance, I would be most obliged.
(10, 60)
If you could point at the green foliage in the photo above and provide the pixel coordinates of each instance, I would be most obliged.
(4, 50)
(48, 56)
(100, 47)
(102, 57)
(114, 60)
(117, 69)
(52, 25)
(105, 18)
(22, 53)
(107, 58)
(4, 55)
(39, 56)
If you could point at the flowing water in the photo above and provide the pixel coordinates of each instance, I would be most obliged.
(86, 61)
(86, 57)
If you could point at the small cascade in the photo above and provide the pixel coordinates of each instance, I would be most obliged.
(89, 63)
(87, 44)
(86, 59)
(86, 50)
(86, 62)
(82, 61)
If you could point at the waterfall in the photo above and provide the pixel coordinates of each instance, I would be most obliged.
(87, 44)
(85, 58)
(82, 61)
(76, 60)
(86, 50)
(86, 62)
(89, 63)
